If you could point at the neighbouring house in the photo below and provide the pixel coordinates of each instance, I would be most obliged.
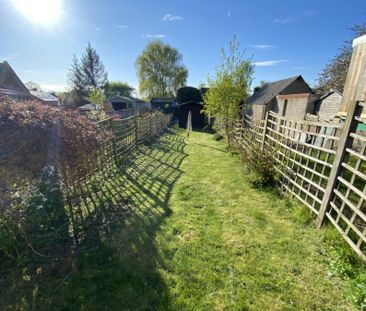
(327, 107)
(291, 97)
(11, 85)
(197, 116)
(45, 98)
(164, 104)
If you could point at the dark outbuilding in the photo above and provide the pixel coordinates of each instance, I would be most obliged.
(196, 109)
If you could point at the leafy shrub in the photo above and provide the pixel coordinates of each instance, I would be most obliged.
(38, 144)
(260, 164)
(34, 135)
(36, 222)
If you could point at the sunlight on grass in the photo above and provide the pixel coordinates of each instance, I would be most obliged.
(183, 229)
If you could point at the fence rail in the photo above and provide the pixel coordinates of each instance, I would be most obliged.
(306, 155)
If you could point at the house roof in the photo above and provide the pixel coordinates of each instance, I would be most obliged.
(270, 90)
(46, 97)
(10, 82)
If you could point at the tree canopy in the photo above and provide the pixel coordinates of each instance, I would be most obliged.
(160, 70)
(115, 88)
(188, 93)
(86, 74)
(334, 74)
(229, 88)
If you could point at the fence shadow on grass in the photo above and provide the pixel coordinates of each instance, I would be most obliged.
(116, 265)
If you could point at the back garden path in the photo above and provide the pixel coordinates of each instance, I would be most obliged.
(197, 236)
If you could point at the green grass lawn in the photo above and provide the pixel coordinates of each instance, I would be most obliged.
(192, 234)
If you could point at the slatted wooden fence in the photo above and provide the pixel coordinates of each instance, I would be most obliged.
(305, 153)
(322, 164)
(87, 185)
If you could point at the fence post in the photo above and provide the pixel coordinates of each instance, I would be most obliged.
(264, 130)
(354, 91)
(136, 130)
(113, 141)
(150, 126)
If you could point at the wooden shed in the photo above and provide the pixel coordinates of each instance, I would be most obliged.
(327, 106)
(291, 97)
(196, 109)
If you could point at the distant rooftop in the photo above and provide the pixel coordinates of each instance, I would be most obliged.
(44, 96)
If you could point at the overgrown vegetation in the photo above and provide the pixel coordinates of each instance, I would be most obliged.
(37, 143)
(260, 164)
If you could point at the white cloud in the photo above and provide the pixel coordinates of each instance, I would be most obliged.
(152, 36)
(298, 17)
(172, 18)
(121, 26)
(229, 13)
(267, 63)
(261, 46)
(98, 29)
(285, 20)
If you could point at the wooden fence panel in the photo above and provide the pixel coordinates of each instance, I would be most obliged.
(305, 153)
(85, 192)
(347, 210)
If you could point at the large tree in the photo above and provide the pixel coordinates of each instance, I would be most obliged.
(160, 70)
(86, 74)
(334, 74)
(229, 88)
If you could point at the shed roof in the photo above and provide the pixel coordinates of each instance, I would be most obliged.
(190, 102)
(162, 99)
(270, 90)
(128, 99)
(332, 91)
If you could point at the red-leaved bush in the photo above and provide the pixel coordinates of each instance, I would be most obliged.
(34, 135)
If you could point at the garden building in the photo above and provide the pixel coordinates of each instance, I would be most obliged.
(196, 109)
(291, 97)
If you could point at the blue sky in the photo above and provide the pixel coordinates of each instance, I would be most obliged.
(285, 38)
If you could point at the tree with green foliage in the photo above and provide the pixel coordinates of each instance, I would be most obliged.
(229, 88)
(160, 70)
(334, 74)
(97, 97)
(87, 74)
(115, 88)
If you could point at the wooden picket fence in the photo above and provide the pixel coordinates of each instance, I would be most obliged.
(307, 155)
(88, 186)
